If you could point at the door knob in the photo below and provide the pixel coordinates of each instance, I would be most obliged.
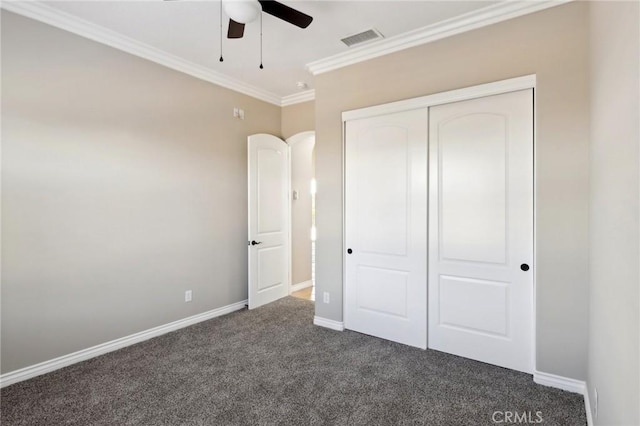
(524, 267)
(349, 251)
(255, 243)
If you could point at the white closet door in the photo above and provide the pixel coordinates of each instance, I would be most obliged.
(481, 229)
(268, 219)
(386, 221)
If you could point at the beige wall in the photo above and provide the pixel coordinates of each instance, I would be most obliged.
(614, 212)
(298, 118)
(551, 44)
(302, 171)
(123, 185)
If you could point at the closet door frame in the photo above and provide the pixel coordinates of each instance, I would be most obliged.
(463, 94)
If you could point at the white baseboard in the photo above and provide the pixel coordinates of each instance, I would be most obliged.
(567, 384)
(564, 383)
(587, 407)
(327, 323)
(94, 351)
(300, 286)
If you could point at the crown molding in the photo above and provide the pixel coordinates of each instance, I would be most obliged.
(470, 21)
(57, 18)
(297, 98)
(486, 16)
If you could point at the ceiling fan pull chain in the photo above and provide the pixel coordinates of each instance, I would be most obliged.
(221, 58)
(261, 67)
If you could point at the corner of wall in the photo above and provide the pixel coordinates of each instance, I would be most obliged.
(297, 118)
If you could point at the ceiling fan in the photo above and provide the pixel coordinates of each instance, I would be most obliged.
(242, 12)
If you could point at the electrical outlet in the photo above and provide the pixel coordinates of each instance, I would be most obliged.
(595, 402)
(187, 296)
(325, 297)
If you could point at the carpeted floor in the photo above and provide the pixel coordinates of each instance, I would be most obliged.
(272, 366)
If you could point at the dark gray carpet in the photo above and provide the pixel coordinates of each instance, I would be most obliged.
(272, 366)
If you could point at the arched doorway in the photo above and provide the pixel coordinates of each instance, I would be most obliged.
(302, 157)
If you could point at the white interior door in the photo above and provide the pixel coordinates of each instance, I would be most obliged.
(386, 227)
(481, 229)
(268, 219)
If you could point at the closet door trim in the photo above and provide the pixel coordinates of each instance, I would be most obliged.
(462, 94)
(480, 91)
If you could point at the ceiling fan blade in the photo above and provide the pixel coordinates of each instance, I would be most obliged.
(236, 29)
(286, 13)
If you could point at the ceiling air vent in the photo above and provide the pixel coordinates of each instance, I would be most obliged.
(363, 37)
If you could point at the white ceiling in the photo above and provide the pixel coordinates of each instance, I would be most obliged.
(190, 30)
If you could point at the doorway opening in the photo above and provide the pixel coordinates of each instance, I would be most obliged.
(302, 204)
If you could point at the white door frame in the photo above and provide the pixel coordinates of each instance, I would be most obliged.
(463, 94)
(292, 140)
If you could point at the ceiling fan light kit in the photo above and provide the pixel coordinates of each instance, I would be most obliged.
(242, 11)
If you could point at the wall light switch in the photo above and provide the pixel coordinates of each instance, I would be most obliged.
(188, 296)
(295, 194)
(238, 113)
